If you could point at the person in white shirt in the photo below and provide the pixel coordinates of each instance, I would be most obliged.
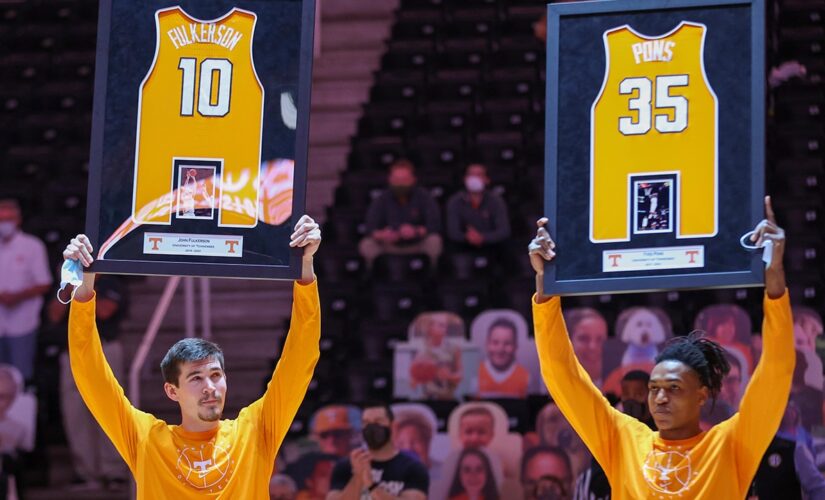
(24, 278)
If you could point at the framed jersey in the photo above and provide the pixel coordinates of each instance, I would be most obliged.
(200, 133)
(654, 153)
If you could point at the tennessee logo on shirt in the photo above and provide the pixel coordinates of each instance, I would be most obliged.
(207, 466)
(668, 472)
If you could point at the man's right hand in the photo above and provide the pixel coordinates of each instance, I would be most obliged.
(541, 251)
(541, 248)
(80, 249)
(361, 467)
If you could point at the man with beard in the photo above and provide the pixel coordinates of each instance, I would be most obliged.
(499, 376)
(379, 471)
(204, 456)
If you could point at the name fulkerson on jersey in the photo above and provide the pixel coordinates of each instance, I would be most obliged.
(653, 51)
(187, 34)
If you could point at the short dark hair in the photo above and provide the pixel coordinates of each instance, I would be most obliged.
(704, 356)
(532, 453)
(504, 323)
(188, 350)
(379, 404)
(475, 164)
(636, 376)
(402, 163)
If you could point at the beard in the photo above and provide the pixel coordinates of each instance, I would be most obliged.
(211, 413)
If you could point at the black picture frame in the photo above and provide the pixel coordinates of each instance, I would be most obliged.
(272, 259)
(572, 271)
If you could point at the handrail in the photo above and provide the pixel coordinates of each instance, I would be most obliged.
(149, 338)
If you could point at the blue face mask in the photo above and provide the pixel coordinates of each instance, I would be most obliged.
(70, 274)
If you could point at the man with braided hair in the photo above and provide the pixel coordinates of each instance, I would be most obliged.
(679, 460)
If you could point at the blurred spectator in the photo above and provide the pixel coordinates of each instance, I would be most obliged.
(333, 430)
(477, 217)
(437, 366)
(588, 332)
(807, 327)
(555, 431)
(95, 461)
(474, 478)
(24, 267)
(12, 432)
(730, 326)
(634, 397)
(476, 427)
(312, 473)
(404, 219)
(380, 465)
(412, 433)
(546, 474)
(282, 487)
(788, 469)
(731, 392)
(499, 375)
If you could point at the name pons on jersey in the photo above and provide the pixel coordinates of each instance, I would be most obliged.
(653, 51)
(218, 34)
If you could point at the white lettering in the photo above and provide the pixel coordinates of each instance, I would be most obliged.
(234, 40)
(193, 30)
(653, 51)
(174, 37)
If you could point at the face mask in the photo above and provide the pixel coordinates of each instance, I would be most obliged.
(474, 184)
(70, 274)
(7, 229)
(401, 191)
(376, 435)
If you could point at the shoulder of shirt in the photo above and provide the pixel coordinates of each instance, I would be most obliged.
(29, 239)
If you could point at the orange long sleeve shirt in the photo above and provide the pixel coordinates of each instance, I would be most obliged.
(233, 461)
(717, 464)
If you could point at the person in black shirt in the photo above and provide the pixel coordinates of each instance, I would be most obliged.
(477, 217)
(404, 219)
(379, 471)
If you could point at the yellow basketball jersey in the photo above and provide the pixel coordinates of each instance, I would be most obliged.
(201, 100)
(656, 114)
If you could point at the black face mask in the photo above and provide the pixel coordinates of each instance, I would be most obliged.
(376, 435)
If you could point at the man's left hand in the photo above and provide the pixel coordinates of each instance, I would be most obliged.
(307, 235)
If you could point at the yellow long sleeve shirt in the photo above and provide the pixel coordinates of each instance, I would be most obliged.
(233, 461)
(717, 464)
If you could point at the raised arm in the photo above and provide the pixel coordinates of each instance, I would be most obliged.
(570, 386)
(760, 411)
(287, 387)
(95, 381)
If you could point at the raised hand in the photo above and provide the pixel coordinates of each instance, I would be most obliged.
(307, 235)
(79, 248)
(768, 230)
(542, 247)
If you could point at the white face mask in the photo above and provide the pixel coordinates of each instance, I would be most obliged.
(474, 184)
(7, 229)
